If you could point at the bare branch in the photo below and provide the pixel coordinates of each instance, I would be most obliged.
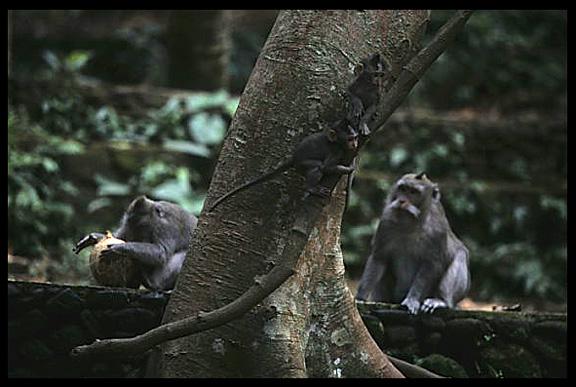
(413, 71)
(411, 370)
(201, 321)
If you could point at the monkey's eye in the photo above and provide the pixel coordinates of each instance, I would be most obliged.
(406, 189)
(159, 212)
(413, 191)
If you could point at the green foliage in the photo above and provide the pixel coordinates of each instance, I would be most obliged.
(38, 213)
(157, 179)
(194, 126)
(42, 220)
(505, 57)
(510, 269)
(68, 64)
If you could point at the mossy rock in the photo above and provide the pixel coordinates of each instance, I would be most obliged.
(510, 361)
(443, 365)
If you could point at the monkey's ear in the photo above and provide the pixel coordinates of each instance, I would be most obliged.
(332, 135)
(421, 176)
(436, 193)
(358, 69)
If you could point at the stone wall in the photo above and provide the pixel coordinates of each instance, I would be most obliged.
(464, 343)
(45, 321)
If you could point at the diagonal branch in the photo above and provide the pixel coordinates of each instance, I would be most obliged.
(413, 71)
(199, 322)
(305, 220)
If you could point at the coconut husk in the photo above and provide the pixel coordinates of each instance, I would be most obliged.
(113, 271)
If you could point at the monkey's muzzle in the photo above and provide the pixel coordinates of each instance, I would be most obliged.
(405, 205)
(353, 143)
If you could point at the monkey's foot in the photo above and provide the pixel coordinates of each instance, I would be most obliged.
(364, 130)
(431, 304)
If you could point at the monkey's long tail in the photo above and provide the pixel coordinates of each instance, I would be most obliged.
(265, 177)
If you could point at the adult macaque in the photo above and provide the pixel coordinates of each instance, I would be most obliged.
(416, 259)
(157, 234)
(315, 155)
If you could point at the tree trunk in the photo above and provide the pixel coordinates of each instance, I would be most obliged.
(310, 325)
(198, 43)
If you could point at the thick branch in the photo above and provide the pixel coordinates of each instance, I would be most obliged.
(200, 322)
(413, 71)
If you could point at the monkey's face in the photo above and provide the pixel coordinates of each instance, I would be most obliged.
(376, 65)
(405, 200)
(350, 138)
(352, 142)
(411, 196)
(373, 65)
(346, 137)
(145, 217)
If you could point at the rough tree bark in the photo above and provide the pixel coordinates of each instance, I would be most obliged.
(310, 325)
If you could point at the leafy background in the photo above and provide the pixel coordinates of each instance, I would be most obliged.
(487, 122)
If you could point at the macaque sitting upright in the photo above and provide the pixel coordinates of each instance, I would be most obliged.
(416, 259)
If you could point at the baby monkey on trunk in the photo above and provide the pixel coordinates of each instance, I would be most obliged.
(416, 259)
(321, 153)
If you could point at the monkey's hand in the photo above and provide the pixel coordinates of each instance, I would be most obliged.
(342, 169)
(357, 106)
(113, 251)
(364, 129)
(412, 304)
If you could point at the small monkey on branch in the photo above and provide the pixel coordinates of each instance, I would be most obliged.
(364, 93)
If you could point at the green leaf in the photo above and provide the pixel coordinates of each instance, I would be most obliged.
(77, 59)
(208, 129)
(187, 147)
(99, 203)
(205, 101)
(398, 156)
(107, 187)
(176, 189)
(52, 60)
(231, 105)
(49, 165)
